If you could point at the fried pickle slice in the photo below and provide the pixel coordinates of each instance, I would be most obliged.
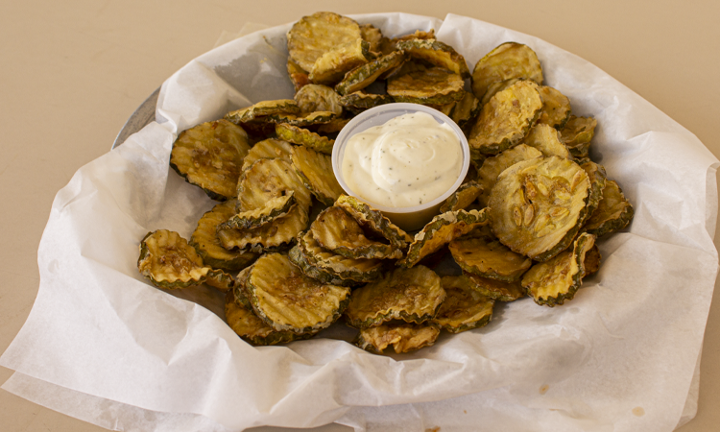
(337, 231)
(271, 236)
(364, 75)
(268, 149)
(315, 170)
(557, 280)
(210, 156)
(489, 259)
(266, 179)
(403, 337)
(411, 295)
(250, 328)
(287, 300)
(360, 101)
(261, 110)
(437, 53)
(465, 195)
(577, 135)
(464, 307)
(208, 246)
(315, 97)
(169, 261)
(508, 60)
(613, 213)
(373, 36)
(348, 269)
(493, 166)
(435, 86)
(465, 110)
(330, 67)
(537, 206)
(314, 35)
(496, 289)
(298, 76)
(506, 119)
(305, 137)
(556, 108)
(546, 139)
(303, 262)
(274, 208)
(373, 220)
(598, 180)
(441, 230)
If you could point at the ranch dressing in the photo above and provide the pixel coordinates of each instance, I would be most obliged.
(408, 161)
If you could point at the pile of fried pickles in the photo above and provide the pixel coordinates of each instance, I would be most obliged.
(295, 254)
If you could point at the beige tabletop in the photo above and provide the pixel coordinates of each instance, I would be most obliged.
(74, 71)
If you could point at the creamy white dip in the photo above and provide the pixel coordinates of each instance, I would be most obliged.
(410, 160)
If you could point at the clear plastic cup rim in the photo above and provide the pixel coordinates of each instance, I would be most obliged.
(380, 115)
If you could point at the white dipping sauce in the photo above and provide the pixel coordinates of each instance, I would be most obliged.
(410, 160)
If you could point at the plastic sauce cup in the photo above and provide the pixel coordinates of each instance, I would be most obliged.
(407, 218)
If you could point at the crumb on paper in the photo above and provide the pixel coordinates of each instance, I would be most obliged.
(638, 411)
(544, 389)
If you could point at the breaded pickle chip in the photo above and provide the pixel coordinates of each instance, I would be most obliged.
(210, 156)
(315, 97)
(465, 109)
(333, 126)
(464, 307)
(613, 213)
(274, 208)
(496, 289)
(311, 119)
(302, 261)
(373, 220)
(360, 101)
(403, 337)
(465, 195)
(270, 178)
(372, 35)
(315, 170)
(357, 270)
(435, 86)
(411, 295)
(546, 139)
(592, 261)
(577, 134)
(551, 283)
(330, 67)
(556, 108)
(337, 231)
(493, 166)
(287, 300)
(298, 76)
(271, 236)
(220, 279)
(598, 180)
(249, 327)
(489, 259)
(538, 205)
(437, 53)
(509, 60)
(364, 75)
(208, 246)
(169, 261)
(441, 230)
(314, 35)
(506, 119)
(307, 138)
(263, 109)
(268, 149)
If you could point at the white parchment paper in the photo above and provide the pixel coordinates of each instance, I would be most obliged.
(104, 345)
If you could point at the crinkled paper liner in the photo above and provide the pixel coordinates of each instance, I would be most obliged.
(103, 345)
